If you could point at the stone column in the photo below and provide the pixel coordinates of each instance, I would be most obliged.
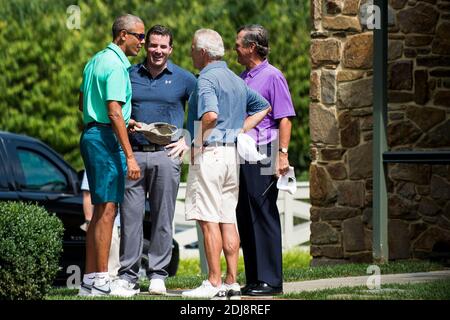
(341, 133)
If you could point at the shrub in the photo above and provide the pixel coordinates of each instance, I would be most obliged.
(30, 245)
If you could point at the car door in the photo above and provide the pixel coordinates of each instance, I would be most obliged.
(40, 176)
(7, 190)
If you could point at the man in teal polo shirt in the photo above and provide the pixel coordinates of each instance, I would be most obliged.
(105, 100)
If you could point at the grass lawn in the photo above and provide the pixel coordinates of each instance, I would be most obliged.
(295, 268)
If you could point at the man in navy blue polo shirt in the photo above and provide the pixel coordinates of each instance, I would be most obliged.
(160, 91)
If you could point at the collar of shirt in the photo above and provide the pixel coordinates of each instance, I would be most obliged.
(253, 72)
(114, 47)
(169, 66)
(213, 65)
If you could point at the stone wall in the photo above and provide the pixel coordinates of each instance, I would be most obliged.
(341, 127)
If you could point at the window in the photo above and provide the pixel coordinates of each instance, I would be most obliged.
(40, 174)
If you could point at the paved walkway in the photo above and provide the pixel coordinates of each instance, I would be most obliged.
(400, 278)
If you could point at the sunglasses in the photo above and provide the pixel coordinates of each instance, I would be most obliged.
(140, 36)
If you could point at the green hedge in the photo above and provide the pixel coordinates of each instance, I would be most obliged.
(30, 246)
(41, 60)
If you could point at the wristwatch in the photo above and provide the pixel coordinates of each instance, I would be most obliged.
(283, 150)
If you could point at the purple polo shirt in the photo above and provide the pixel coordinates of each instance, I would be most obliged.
(272, 85)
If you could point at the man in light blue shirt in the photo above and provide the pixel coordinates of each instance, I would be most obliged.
(105, 100)
(219, 105)
(236, 100)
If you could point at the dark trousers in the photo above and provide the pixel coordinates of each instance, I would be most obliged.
(259, 224)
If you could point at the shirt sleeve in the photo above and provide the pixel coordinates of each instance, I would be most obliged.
(255, 102)
(116, 85)
(191, 80)
(207, 98)
(281, 98)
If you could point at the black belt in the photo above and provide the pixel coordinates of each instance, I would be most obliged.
(149, 148)
(98, 124)
(218, 144)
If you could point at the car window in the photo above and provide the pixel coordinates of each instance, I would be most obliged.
(40, 174)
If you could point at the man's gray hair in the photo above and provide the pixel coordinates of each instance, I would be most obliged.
(125, 22)
(211, 41)
(257, 34)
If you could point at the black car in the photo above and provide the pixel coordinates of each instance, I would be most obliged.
(30, 171)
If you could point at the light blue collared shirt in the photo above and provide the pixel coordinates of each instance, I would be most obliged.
(221, 91)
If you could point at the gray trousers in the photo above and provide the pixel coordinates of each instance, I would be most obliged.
(160, 178)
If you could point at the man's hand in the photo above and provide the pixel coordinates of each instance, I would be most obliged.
(118, 126)
(282, 164)
(177, 149)
(134, 172)
(132, 124)
(285, 136)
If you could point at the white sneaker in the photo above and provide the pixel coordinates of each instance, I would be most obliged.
(207, 290)
(124, 288)
(85, 290)
(233, 291)
(157, 287)
(101, 288)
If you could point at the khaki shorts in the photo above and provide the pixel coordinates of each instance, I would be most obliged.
(213, 186)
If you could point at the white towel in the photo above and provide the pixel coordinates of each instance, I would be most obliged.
(288, 182)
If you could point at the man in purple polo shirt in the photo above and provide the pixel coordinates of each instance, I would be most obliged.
(257, 213)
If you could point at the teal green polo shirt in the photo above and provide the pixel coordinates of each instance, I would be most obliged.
(106, 78)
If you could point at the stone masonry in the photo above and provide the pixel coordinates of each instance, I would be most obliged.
(341, 127)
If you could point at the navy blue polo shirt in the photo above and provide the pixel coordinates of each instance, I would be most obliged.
(160, 99)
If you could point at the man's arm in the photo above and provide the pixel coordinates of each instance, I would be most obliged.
(118, 125)
(178, 148)
(209, 120)
(251, 121)
(285, 137)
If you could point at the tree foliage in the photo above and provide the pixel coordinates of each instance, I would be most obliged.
(41, 60)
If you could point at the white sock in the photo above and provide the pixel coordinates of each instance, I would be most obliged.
(88, 278)
(101, 278)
